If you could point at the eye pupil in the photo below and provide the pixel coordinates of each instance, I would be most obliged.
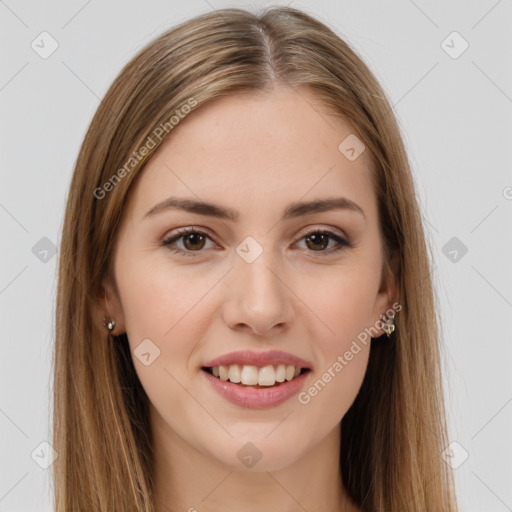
(194, 237)
(316, 237)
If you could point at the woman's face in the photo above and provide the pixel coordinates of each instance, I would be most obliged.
(251, 278)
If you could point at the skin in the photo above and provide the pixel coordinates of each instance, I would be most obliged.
(255, 154)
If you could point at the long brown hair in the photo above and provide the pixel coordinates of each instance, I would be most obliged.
(395, 431)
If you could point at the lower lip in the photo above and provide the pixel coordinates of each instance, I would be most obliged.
(256, 398)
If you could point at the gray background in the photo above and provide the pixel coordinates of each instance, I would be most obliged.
(455, 114)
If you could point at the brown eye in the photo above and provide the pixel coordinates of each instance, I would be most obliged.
(319, 241)
(193, 241)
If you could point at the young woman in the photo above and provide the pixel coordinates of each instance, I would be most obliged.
(245, 313)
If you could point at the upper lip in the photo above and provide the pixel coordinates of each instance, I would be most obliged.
(249, 357)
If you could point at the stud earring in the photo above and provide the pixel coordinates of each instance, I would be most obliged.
(110, 325)
(387, 326)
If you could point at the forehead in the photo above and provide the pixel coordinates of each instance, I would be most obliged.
(254, 152)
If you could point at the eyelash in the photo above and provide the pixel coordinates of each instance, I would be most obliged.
(180, 233)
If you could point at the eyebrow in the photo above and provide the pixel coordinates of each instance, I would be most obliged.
(293, 210)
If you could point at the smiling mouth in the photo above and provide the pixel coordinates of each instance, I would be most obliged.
(255, 376)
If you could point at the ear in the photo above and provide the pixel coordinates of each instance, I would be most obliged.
(109, 306)
(388, 290)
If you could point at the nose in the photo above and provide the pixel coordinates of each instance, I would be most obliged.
(258, 299)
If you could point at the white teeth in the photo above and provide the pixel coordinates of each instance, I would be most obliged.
(281, 373)
(267, 376)
(234, 373)
(223, 372)
(251, 375)
(290, 372)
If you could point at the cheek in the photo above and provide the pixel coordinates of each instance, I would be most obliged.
(342, 307)
(343, 304)
(167, 311)
(342, 346)
(165, 315)
(162, 300)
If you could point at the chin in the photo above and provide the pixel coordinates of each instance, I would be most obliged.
(258, 454)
